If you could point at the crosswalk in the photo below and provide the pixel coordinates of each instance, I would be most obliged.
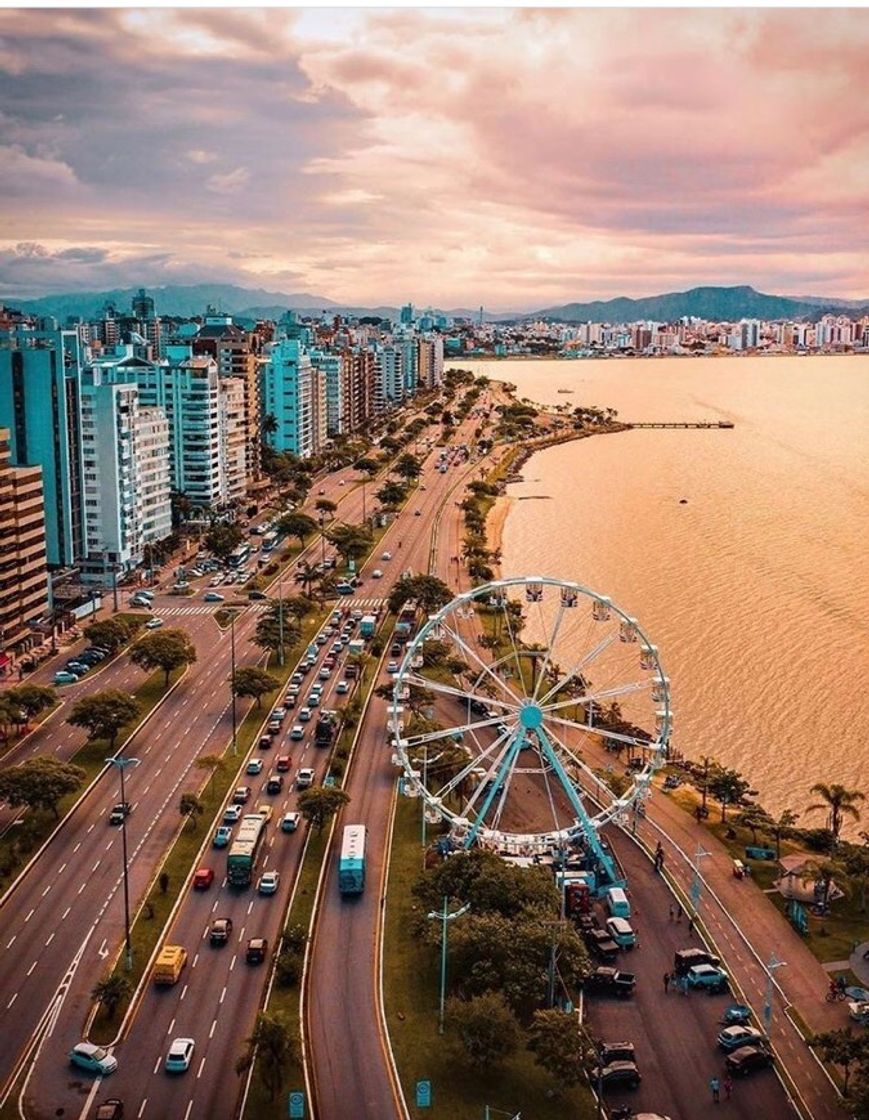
(369, 604)
(363, 604)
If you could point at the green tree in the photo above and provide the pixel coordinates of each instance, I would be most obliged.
(838, 802)
(166, 650)
(307, 575)
(271, 633)
(110, 634)
(214, 764)
(223, 539)
(781, 826)
(190, 807)
(391, 495)
(367, 465)
(253, 682)
(826, 872)
(269, 424)
(298, 525)
(845, 1049)
(320, 803)
(558, 1043)
(30, 699)
(485, 1026)
(275, 1047)
(428, 591)
(756, 819)
(40, 783)
(407, 466)
(728, 787)
(103, 714)
(352, 541)
(325, 505)
(111, 992)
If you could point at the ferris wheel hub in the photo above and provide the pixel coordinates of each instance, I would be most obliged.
(531, 716)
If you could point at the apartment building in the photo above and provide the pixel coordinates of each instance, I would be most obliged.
(430, 362)
(287, 398)
(23, 565)
(233, 437)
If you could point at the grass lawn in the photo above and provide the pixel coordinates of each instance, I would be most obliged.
(411, 992)
(21, 840)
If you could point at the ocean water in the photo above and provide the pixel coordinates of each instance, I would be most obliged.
(743, 553)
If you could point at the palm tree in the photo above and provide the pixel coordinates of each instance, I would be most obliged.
(839, 803)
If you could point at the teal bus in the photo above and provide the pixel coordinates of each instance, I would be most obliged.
(351, 865)
(244, 850)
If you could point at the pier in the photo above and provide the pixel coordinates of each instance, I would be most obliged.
(685, 424)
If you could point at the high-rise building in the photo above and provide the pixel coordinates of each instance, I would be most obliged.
(23, 572)
(331, 366)
(389, 377)
(407, 313)
(287, 405)
(154, 484)
(430, 361)
(40, 383)
(233, 437)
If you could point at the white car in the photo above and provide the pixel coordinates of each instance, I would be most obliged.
(290, 822)
(215, 581)
(392, 667)
(180, 1055)
(377, 574)
(268, 882)
(93, 1058)
(154, 624)
(305, 778)
(386, 556)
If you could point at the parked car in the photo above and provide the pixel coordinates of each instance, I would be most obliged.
(268, 882)
(610, 982)
(203, 878)
(617, 1052)
(618, 1073)
(708, 977)
(731, 1038)
(290, 822)
(64, 676)
(747, 1059)
(93, 1059)
(222, 836)
(622, 932)
(180, 1055)
(684, 959)
(601, 945)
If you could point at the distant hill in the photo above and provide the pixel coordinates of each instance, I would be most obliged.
(717, 304)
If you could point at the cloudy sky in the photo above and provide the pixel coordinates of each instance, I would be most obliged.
(514, 158)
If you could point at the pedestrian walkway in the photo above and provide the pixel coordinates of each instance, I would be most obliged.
(365, 604)
(188, 610)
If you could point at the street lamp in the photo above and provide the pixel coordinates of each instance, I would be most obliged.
(323, 539)
(121, 764)
(444, 917)
(232, 684)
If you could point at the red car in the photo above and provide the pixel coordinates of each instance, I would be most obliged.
(283, 763)
(203, 879)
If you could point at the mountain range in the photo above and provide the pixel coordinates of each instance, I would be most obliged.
(715, 303)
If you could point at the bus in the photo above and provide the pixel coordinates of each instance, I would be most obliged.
(244, 850)
(351, 865)
(238, 557)
(269, 542)
(406, 623)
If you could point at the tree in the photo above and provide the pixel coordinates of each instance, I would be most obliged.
(485, 1026)
(307, 575)
(320, 803)
(111, 992)
(271, 634)
(324, 505)
(756, 819)
(825, 871)
(559, 1043)
(391, 495)
(110, 634)
(728, 787)
(103, 714)
(367, 466)
(269, 424)
(298, 525)
(30, 699)
(428, 591)
(40, 783)
(844, 1048)
(214, 764)
(190, 807)
(275, 1047)
(838, 802)
(253, 682)
(166, 650)
(352, 541)
(781, 826)
(408, 466)
(223, 539)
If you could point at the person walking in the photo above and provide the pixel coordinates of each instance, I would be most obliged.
(671, 912)
(715, 1086)
(691, 924)
(728, 1087)
(666, 982)
(678, 911)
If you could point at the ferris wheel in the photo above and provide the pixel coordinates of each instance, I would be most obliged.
(528, 713)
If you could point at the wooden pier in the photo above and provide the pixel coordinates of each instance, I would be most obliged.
(686, 424)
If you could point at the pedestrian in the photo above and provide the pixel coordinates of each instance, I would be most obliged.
(671, 912)
(678, 911)
(715, 1086)
(691, 924)
(666, 981)
(728, 1087)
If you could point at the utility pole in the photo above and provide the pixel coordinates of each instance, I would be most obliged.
(121, 764)
(232, 684)
(281, 618)
(444, 916)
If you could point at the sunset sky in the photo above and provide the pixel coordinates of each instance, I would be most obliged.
(514, 158)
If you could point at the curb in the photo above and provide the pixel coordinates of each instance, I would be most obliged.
(7, 894)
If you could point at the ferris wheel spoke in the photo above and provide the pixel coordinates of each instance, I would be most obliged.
(541, 677)
(581, 765)
(459, 694)
(603, 644)
(603, 694)
(602, 732)
(493, 774)
(465, 648)
(519, 677)
(446, 732)
(502, 741)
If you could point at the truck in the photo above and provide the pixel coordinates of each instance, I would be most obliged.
(367, 625)
(169, 964)
(356, 645)
(324, 732)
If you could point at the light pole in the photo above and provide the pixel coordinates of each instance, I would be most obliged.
(695, 880)
(444, 916)
(122, 764)
(232, 684)
(323, 540)
(774, 963)
(281, 618)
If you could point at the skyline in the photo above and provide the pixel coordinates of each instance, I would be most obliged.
(538, 157)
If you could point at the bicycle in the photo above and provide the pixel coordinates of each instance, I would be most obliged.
(834, 995)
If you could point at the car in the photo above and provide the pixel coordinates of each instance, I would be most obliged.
(325, 673)
(111, 1109)
(617, 1073)
(858, 1010)
(275, 783)
(283, 762)
(342, 688)
(395, 651)
(345, 588)
(241, 795)
(212, 597)
(203, 877)
(93, 1059)
(180, 1055)
(610, 981)
(153, 623)
(290, 822)
(731, 1038)
(622, 932)
(392, 667)
(386, 556)
(601, 944)
(91, 659)
(274, 726)
(377, 573)
(417, 513)
(617, 1052)
(78, 667)
(215, 581)
(120, 812)
(103, 653)
(305, 778)
(139, 601)
(255, 766)
(707, 977)
(64, 676)
(684, 959)
(321, 639)
(305, 713)
(746, 1059)
(257, 950)
(222, 836)
(279, 714)
(298, 732)
(265, 742)
(221, 931)
(231, 814)
(268, 882)
(264, 811)
(293, 691)
(313, 701)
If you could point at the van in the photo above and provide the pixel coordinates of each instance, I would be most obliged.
(617, 903)
(169, 964)
(621, 931)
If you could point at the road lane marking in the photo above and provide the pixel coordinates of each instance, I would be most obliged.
(189, 1109)
(141, 1108)
(96, 865)
(50, 939)
(201, 1068)
(210, 1033)
(223, 995)
(61, 869)
(11, 940)
(109, 844)
(250, 906)
(157, 1066)
(29, 916)
(47, 889)
(171, 1025)
(184, 992)
(232, 964)
(92, 827)
(35, 963)
(76, 848)
(241, 935)
(195, 959)
(15, 997)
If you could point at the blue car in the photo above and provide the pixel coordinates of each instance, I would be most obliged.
(222, 837)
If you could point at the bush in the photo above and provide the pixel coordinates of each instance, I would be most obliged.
(288, 968)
